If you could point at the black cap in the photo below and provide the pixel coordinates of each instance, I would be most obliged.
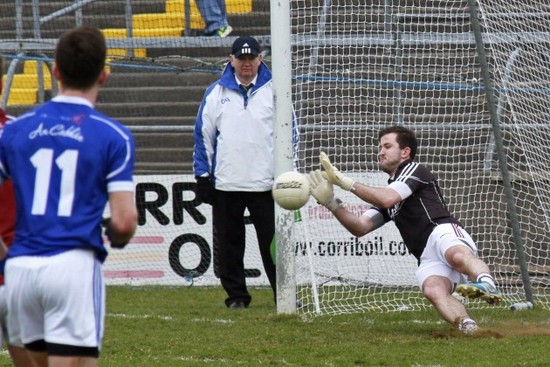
(245, 45)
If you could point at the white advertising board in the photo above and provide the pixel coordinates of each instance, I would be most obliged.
(173, 243)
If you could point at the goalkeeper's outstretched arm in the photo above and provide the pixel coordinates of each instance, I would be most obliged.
(322, 191)
(358, 225)
(381, 197)
(384, 197)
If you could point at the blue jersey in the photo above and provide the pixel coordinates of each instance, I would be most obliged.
(64, 158)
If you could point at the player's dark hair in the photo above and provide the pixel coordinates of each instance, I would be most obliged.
(80, 57)
(404, 137)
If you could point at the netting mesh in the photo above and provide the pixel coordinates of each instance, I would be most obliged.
(361, 66)
(518, 36)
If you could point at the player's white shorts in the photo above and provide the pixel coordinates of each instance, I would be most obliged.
(59, 299)
(433, 262)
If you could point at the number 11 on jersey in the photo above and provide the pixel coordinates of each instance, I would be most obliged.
(42, 160)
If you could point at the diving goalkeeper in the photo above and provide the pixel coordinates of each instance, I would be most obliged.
(446, 254)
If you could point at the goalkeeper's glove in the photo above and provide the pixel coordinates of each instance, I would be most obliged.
(106, 223)
(322, 190)
(333, 175)
(204, 191)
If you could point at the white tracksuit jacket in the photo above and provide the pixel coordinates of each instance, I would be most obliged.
(234, 134)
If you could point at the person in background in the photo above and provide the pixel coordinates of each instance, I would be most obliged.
(18, 355)
(214, 14)
(66, 161)
(233, 164)
(446, 254)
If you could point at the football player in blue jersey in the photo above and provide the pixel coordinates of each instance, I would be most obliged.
(66, 161)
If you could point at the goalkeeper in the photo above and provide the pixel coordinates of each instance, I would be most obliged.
(446, 254)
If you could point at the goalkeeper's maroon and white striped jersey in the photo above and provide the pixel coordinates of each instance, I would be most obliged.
(416, 216)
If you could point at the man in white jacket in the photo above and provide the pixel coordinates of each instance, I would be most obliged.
(233, 165)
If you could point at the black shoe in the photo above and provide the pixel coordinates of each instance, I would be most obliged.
(237, 304)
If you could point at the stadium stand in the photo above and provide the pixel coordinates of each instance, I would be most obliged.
(158, 99)
(172, 99)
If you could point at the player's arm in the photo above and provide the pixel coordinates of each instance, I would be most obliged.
(322, 190)
(381, 197)
(358, 225)
(123, 220)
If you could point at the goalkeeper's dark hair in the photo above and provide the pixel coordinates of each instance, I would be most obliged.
(404, 137)
(80, 57)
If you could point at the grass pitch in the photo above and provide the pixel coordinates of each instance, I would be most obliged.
(163, 326)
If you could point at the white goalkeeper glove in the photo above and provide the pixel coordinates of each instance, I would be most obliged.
(322, 190)
(333, 175)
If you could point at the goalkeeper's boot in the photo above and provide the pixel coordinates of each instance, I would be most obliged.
(483, 290)
(467, 326)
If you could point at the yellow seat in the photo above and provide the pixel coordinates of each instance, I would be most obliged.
(24, 86)
(160, 20)
(22, 96)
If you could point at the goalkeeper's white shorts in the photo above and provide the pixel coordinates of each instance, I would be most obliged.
(433, 262)
(59, 299)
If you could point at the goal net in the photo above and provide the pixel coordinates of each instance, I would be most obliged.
(517, 36)
(359, 66)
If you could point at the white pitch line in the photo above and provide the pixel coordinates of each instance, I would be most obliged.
(217, 321)
(126, 316)
(167, 318)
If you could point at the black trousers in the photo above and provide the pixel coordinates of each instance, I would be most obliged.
(230, 239)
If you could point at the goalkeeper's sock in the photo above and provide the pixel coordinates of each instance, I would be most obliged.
(486, 278)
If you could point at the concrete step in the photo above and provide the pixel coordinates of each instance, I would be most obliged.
(165, 79)
(151, 93)
(172, 123)
(180, 141)
(160, 168)
(165, 158)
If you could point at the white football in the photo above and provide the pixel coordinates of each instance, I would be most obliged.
(291, 190)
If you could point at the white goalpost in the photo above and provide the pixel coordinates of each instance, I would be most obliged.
(358, 66)
(283, 160)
